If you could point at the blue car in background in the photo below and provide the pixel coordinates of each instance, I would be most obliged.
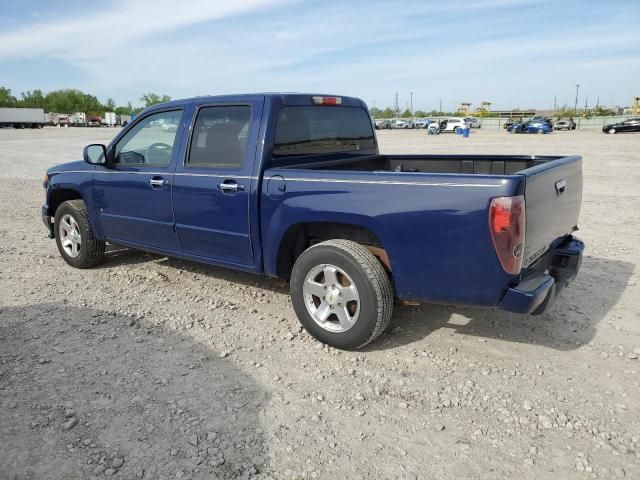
(530, 127)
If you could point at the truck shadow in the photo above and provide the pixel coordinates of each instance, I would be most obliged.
(572, 321)
(158, 398)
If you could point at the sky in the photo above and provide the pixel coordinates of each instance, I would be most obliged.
(513, 53)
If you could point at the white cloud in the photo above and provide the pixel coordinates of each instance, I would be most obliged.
(460, 51)
(116, 26)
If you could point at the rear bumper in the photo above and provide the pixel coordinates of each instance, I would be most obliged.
(538, 290)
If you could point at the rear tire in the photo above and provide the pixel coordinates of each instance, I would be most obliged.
(319, 300)
(74, 236)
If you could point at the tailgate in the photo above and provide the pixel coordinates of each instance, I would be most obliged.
(553, 194)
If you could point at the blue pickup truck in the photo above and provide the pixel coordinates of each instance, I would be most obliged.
(293, 186)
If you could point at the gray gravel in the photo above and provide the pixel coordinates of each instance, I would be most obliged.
(154, 368)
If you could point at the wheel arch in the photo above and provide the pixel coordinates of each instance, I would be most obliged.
(299, 236)
(59, 195)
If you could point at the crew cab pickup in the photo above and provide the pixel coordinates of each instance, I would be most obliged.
(293, 186)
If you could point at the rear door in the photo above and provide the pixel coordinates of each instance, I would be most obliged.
(214, 183)
(553, 195)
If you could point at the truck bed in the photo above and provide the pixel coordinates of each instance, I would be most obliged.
(552, 185)
(466, 164)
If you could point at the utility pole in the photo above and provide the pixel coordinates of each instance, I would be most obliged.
(575, 108)
(440, 111)
(555, 103)
(397, 106)
(411, 93)
(586, 104)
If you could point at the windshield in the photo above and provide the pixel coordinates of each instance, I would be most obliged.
(306, 130)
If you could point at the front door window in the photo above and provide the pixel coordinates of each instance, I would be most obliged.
(150, 142)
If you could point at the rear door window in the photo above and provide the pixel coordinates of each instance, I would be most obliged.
(313, 130)
(219, 138)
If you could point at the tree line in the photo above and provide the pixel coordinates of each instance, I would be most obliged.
(68, 100)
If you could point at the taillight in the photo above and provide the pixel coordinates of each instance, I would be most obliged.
(327, 100)
(507, 225)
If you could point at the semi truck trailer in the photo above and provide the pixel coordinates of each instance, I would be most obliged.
(21, 117)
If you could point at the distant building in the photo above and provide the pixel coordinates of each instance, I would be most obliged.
(464, 108)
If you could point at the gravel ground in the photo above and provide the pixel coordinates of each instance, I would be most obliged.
(156, 368)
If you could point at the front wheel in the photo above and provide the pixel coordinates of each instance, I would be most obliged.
(341, 294)
(74, 236)
(612, 131)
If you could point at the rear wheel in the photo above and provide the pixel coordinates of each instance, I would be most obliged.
(540, 131)
(74, 236)
(341, 294)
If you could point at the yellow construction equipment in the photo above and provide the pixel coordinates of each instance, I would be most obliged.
(635, 108)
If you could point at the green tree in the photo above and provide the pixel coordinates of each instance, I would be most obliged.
(6, 99)
(419, 113)
(33, 99)
(375, 112)
(110, 105)
(69, 101)
(151, 99)
(406, 114)
(388, 113)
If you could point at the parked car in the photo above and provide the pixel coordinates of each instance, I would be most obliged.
(254, 183)
(383, 124)
(399, 123)
(512, 121)
(530, 127)
(473, 122)
(545, 120)
(629, 125)
(564, 124)
(422, 123)
(451, 125)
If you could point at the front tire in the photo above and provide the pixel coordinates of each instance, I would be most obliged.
(612, 131)
(74, 236)
(341, 294)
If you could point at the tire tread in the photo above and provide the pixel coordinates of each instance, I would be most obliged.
(95, 247)
(378, 277)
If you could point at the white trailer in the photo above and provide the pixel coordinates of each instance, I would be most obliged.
(78, 119)
(109, 119)
(21, 117)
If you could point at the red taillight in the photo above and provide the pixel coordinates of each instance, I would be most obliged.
(327, 100)
(507, 225)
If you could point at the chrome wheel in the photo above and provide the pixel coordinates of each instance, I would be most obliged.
(331, 298)
(612, 131)
(70, 237)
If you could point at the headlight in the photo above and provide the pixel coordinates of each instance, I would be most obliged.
(45, 180)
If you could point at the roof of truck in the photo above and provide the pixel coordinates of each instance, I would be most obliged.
(284, 98)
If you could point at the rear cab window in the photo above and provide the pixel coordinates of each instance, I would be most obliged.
(320, 130)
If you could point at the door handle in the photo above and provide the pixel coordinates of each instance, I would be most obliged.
(228, 187)
(158, 182)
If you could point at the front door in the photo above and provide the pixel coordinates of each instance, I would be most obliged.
(212, 190)
(132, 194)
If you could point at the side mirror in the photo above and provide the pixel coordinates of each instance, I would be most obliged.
(95, 154)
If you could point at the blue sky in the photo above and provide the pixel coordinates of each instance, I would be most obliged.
(514, 53)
